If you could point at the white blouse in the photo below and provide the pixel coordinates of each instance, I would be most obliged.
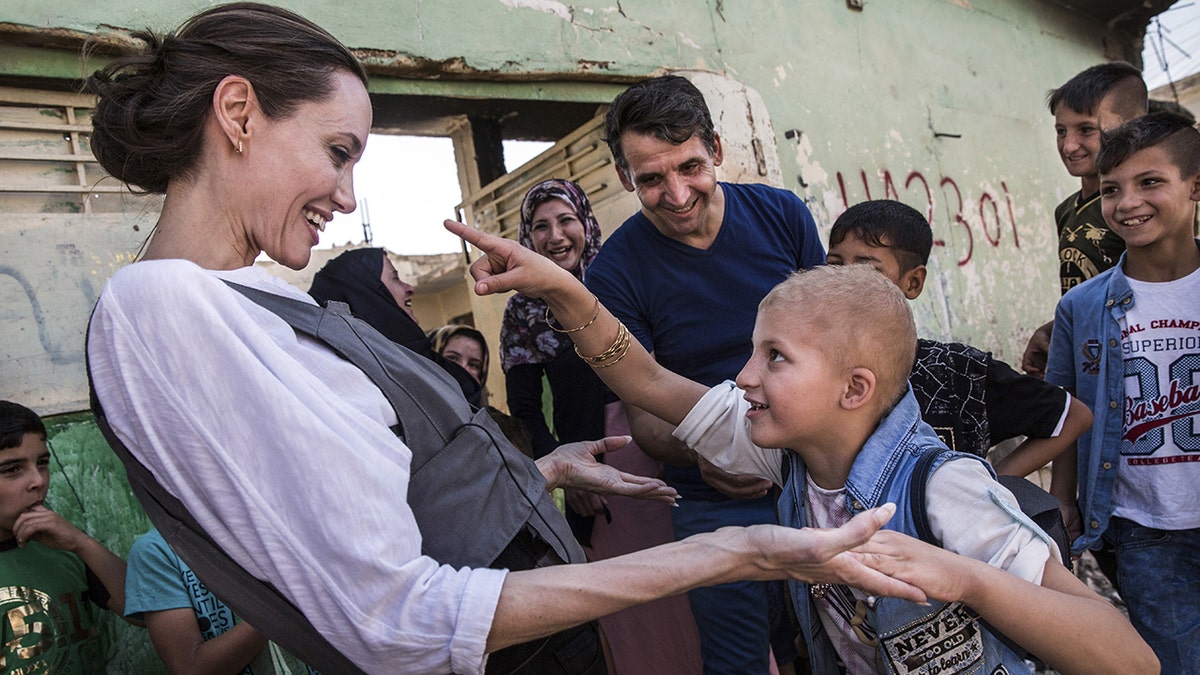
(281, 451)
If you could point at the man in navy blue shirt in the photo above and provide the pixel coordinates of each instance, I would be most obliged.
(686, 274)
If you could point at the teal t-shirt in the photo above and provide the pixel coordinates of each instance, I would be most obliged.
(49, 605)
(156, 579)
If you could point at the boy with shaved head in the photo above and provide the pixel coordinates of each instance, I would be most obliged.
(823, 409)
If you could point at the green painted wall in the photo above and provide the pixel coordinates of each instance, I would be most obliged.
(936, 102)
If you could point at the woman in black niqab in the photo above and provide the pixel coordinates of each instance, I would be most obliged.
(356, 278)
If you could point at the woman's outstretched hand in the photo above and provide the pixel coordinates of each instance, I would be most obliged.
(842, 555)
(574, 465)
(507, 266)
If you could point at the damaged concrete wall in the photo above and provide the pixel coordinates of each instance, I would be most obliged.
(939, 103)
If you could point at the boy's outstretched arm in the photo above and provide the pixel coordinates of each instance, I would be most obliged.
(49, 529)
(636, 378)
(761, 552)
(1062, 621)
(1035, 453)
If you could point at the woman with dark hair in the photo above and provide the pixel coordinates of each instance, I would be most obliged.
(557, 223)
(250, 119)
(367, 281)
(462, 344)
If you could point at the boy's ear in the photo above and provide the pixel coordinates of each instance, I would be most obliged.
(1196, 188)
(860, 388)
(912, 282)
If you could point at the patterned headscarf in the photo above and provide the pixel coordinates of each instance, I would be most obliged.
(524, 335)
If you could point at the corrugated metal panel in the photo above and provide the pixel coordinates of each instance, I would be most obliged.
(46, 163)
(582, 156)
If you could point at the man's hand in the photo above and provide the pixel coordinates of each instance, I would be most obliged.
(1037, 352)
(48, 529)
(574, 465)
(735, 485)
(586, 504)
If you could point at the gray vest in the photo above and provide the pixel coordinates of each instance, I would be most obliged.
(470, 490)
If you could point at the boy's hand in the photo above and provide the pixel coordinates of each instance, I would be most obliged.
(1072, 520)
(48, 529)
(584, 503)
(734, 485)
(943, 575)
(1037, 352)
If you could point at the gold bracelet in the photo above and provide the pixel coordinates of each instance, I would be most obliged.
(550, 322)
(607, 353)
(615, 352)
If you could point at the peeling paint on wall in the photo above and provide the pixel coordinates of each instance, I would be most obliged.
(552, 7)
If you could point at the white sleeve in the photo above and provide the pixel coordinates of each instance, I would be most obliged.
(717, 428)
(973, 515)
(300, 481)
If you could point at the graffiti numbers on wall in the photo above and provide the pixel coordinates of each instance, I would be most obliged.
(967, 219)
(990, 215)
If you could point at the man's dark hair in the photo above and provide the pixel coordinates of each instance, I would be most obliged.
(15, 421)
(1084, 92)
(670, 108)
(1174, 132)
(890, 224)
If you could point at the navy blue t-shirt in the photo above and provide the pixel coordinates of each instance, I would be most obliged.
(694, 309)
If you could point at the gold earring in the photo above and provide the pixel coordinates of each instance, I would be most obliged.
(239, 148)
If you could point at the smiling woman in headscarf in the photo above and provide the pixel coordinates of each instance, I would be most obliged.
(367, 281)
(557, 222)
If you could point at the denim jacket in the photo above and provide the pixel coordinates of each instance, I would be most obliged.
(912, 638)
(1085, 355)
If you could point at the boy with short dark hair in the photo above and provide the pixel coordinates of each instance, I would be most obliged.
(827, 380)
(971, 400)
(1100, 97)
(1128, 343)
(52, 575)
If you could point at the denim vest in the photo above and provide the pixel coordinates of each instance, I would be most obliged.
(943, 637)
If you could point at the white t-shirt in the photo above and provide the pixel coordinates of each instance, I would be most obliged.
(281, 451)
(1160, 450)
(969, 512)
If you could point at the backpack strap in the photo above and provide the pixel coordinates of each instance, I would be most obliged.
(255, 600)
(920, 481)
(1037, 505)
(421, 403)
